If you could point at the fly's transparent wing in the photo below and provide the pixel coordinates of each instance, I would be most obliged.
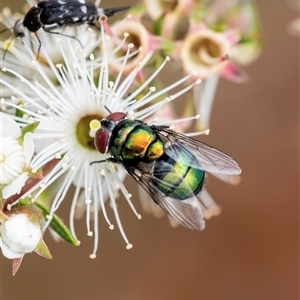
(208, 158)
(186, 212)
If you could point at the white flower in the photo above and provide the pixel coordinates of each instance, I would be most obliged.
(203, 52)
(136, 34)
(15, 156)
(69, 114)
(19, 236)
(156, 8)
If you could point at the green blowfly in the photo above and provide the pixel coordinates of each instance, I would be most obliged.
(168, 165)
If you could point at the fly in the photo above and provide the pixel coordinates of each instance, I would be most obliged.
(168, 165)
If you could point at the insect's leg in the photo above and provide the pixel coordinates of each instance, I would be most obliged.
(3, 30)
(6, 49)
(66, 35)
(39, 47)
(110, 159)
(107, 109)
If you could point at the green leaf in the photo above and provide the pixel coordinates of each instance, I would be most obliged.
(42, 250)
(3, 217)
(29, 128)
(24, 201)
(158, 25)
(19, 112)
(59, 227)
(168, 47)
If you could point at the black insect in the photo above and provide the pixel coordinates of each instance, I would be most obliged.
(53, 14)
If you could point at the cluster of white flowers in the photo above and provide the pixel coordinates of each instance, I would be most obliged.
(52, 102)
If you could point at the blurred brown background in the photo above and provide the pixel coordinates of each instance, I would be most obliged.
(249, 252)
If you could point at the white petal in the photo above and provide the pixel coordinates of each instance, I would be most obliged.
(15, 186)
(12, 162)
(9, 127)
(15, 228)
(31, 238)
(28, 147)
(7, 252)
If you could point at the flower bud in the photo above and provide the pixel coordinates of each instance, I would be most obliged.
(138, 36)
(19, 236)
(203, 52)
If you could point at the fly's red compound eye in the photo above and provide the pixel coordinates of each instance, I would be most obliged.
(101, 140)
(116, 116)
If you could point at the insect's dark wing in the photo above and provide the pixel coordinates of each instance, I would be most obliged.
(111, 11)
(67, 12)
(210, 159)
(187, 212)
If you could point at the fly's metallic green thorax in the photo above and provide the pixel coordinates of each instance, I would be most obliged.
(134, 142)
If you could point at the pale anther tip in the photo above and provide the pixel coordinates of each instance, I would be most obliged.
(88, 201)
(235, 180)
(111, 227)
(129, 246)
(93, 256)
(207, 214)
(216, 210)
(90, 233)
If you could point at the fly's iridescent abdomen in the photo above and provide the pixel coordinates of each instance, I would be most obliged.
(174, 176)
